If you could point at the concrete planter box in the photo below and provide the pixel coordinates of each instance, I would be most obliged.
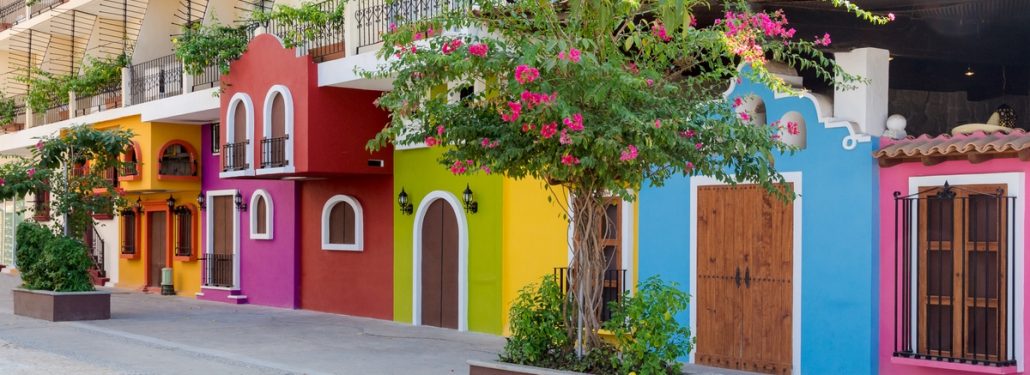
(62, 306)
(499, 368)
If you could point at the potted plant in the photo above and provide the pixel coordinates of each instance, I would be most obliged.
(54, 263)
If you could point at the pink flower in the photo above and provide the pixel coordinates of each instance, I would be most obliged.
(432, 141)
(561, 55)
(451, 46)
(458, 167)
(547, 131)
(574, 55)
(689, 166)
(890, 16)
(1, 182)
(393, 27)
(699, 145)
(564, 138)
(569, 160)
(516, 111)
(737, 102)
(418, 36)
(527, 127)
(659, 31)
(413, 49)
(429, 32)
(575, 123)
(658, 124)
(693, 21)
(650, 82)
(632, 68)
(31, 172)
(689, 133)
(629, 153)
(469, 162)
(39, 145)
(525, 74)
(533, 99)
(489, 144)
(792, 128)
(485, 169)
(479, 49)
(440, 130)
(744, 116)
(824, 41)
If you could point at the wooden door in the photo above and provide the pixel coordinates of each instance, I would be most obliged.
(157, 240)
(223, 229)
(440, 266)
(744, 275)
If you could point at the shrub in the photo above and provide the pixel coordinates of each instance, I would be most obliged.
(650, 339)
(49, 262)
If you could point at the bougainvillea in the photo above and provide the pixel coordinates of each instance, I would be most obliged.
(597, 99)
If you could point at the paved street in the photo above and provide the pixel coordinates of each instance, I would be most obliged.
(151, 334)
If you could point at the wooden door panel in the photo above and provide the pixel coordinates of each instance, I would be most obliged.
(432, 254)
(449, 267)
(718, 322)
(156, 246)
(222, 225)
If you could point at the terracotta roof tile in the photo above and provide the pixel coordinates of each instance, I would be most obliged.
(945, 146)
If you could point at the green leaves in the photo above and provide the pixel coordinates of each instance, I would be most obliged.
(200, 46)
(47, 89)
(650, 339)
(50, 262)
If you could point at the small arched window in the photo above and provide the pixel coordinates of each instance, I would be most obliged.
(261, 215)
(131, 168)
(237, 155)
(177, 159)
(342, 224)
(276, 131)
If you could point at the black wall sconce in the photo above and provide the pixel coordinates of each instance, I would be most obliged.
(240, 204)
(139, 204)
(171, 202)
(405, 205)
(471, 206)
(201, 201)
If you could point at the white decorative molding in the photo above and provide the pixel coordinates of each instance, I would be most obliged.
(209, 239)
(230, 132)
(463, 256)
(266, 127)
(359, 224)
(269, 215)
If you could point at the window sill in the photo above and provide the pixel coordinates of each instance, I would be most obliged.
(181, 258)
(945, 365)
(134, 177)
(128, 256)
(162, 177)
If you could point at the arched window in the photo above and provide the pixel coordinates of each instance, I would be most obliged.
(236, 153)
(261, 215)
(277, 129)
(131, 169)
(342, 224)
(177, 159)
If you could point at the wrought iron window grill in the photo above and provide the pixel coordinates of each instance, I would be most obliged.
(613, 287)
(156, 79)
(219, 268)
(954, 262)
(234, 156)
(273, 152)
(374, 17)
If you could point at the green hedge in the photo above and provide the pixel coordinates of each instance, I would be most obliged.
(50, 262)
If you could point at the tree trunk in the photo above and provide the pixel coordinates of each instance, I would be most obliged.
(586, 271)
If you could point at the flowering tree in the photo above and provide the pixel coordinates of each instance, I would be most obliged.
(595, 98)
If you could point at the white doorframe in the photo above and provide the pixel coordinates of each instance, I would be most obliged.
(463, 251)
(209, 239)
(628, 250)
(795, 337)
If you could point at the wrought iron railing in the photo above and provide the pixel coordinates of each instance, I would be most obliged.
(219, 269)
(18, 123)
(156, 79)
(53, 114)
(44, 5)
(954, 276)
(234, 156)
(129, 232)
(210, 77)
(273, 152)
(184, 232)
(96, 252)
(129, 169)
(11, 11)
(613, 288)
(109, 98)
(374, 17)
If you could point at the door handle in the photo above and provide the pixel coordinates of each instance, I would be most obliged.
(747, 278)
(736, 277)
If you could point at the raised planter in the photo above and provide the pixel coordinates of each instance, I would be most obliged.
(500, 368)
(62, 306)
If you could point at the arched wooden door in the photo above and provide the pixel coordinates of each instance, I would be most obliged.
(440, 266)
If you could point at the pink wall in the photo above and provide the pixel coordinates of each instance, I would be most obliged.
(896, 178)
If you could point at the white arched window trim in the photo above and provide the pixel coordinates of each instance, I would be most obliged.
(266, 127)
(359, 224)
(230, 132)
(269, 215)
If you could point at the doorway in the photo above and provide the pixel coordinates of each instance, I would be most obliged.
(440, 266)
(744, 279)
(157, 246)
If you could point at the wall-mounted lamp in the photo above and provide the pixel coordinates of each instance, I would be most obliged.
(471, 206)
(139, 204)
(240, 204)
(969, 72)
(201, 201)
(405, 205)
(171, 202)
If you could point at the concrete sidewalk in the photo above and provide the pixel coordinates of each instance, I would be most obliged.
(151, 334)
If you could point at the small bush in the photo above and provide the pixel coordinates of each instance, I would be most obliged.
(650, 339)
(49, 262)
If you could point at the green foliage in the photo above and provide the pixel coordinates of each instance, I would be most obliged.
(7, 109)
(650, 339)
(50, 262)
(201, 46)
(48, 89)
(72, 195)
(31, 238)
(539, 336)
(301, 24)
